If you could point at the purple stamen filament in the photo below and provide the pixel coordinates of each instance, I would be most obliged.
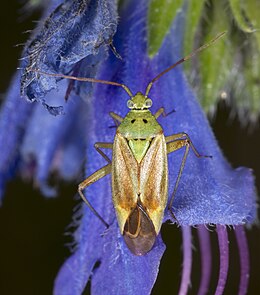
(205, 257)
(187, 260)
(224, 258)
(244, 259)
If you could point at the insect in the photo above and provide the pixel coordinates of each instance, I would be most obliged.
(139, 165)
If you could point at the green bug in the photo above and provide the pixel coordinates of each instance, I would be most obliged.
(139, 165)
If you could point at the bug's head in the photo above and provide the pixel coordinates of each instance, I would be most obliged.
(139, 102)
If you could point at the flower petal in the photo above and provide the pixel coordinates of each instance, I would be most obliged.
(116, 261)
(119, 268)
(49, 141)
(75, 272)
(210, 191)
(74, 30)
(207, 185)
(12, 128)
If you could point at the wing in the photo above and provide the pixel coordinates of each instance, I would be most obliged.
(154, 181)
(124, 180)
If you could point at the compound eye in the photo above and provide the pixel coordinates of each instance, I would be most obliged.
(130, 104)
(148, 103)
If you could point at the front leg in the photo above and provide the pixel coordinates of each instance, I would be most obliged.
(183, 139)
(88, 181)
(162, 112)
(117, 119)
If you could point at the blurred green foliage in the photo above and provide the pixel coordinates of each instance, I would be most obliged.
(228, 70)
(160, 16)
(35, 3)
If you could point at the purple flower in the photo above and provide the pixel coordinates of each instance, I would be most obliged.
(72, 34)
(210, 191)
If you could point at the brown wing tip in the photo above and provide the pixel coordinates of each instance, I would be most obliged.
(139, 232)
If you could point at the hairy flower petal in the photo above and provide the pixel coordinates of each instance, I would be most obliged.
(210, 190)
(12, 127)
(77, 269)
(75, 30)
(49, 141)
(124, 268)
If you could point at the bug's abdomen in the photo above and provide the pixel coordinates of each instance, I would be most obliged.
(139, 232)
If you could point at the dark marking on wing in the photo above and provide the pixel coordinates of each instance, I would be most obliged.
(139, 232)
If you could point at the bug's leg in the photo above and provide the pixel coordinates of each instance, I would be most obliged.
(103, 145)
(162, 112)
(171, 147)
(159, 112)
(184, 136)
(88, 181)
(175, 142)
(117, 119)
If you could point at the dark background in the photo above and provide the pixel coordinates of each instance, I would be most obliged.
(32, 227)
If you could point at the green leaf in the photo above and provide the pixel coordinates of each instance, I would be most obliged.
(194, 14)
(238, 10)
(160, 16)
(247, 84)
(252, 9)
(215, 62)
(247, 93)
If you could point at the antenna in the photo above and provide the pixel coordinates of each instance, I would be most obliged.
(182, 60)
(87, 80)
(127, 90)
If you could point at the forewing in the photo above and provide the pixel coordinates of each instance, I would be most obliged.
(154, 180)
(124, 180)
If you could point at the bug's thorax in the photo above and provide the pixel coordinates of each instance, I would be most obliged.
(139, 126)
